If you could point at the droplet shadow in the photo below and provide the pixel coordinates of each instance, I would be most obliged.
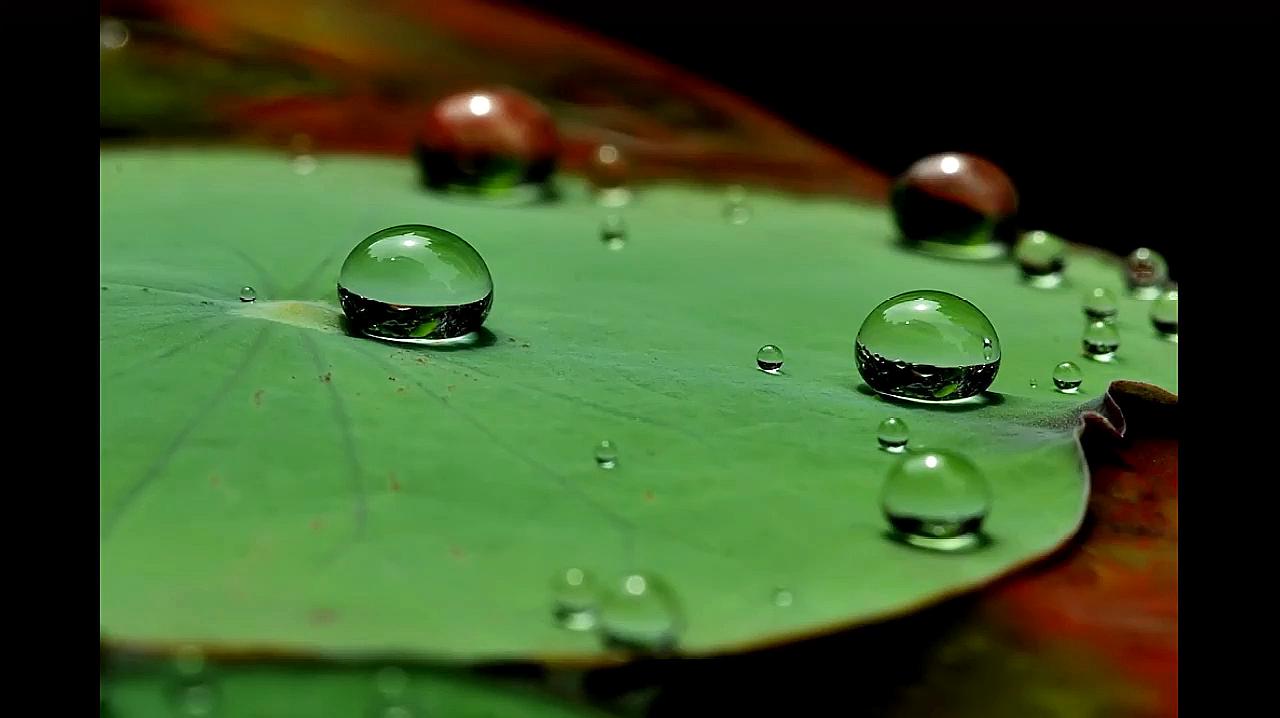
(978, 401)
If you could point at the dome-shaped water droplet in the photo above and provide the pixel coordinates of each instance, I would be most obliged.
(1067, 377)
(892, 435)
(613, 232)
(1101, 340)
(1041, 256)
(1145, 272)
(955, 205)
(248, 294)
(927, 345)
(1164, 315)
(769, 359)
(782, 598)
(1100, 303)
(640, 612)
(936, 499)
(415, 283)
(574, 598)
(606, 454)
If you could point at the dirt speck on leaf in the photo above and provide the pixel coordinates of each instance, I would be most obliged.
(421, 360)
(317, 524)
(402, 390)
(648, 496)
(323, 616)
(392, 483)
(214, 480)
(257, 397)
(391, 378)
(327, 377)
(457, 552)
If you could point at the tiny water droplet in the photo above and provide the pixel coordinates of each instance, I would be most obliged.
(1100, 303)
(1145, 272)
(391, 681)
(574, 599)
(415, 284)
(1034, 384)
(1101, 340)
(640, 612)
(1067, 377)
(928, 346)
(606, 454)
(1164, 315)
(197, 700)
(613, 232)
(782, 598)
(248, 294)
(769, 359)
(1041, 256)
(893, 435)
(936, 500)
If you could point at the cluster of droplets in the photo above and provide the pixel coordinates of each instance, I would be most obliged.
(636, 611)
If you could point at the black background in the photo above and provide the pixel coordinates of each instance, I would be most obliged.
(1110, 132)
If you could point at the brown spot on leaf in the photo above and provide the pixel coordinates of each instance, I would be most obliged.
(392, 483)
(457, 552)
(214, 480)
(257, 397)
(648, 496)
(323, 616)
(317, 524)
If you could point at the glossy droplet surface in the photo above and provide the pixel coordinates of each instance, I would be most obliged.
(769, 359)
(248, 294)
(936, 499)
(613, 232)
(606, 454)
(1101, 303)
(1101, 340)
(927, 345)
(1145, 272)
(640, 612)
(415, 283)
(1067, 377)
(1164, 315)
(893, 435)
(1041, 256)
(575, 596)
(956, 205)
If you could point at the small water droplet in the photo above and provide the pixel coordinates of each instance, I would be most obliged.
(606, 454)
(893, 435)
(1164, 315)
(937, 500)
(1101, 340)
(613, 232)
(736, 211)
(1100, 303)
(640, 612)
(193, 693)
(782, 598)
(769, 359)
(415, 284)
(305, 164)
(248, 294)
(1041, 256)
(1067, 377)
(1145, 272)
(574, 599)
(391, 681)
(1034, 384)
(928, 346)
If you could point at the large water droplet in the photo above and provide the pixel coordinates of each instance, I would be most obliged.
(1041, 256)
(769, 359)
(1067, 377)
(1101, 340)
(613, 232)
(1145, 272)
(956, 205)
(640, 612)
(606, 454)
(112, 34)
(892, 435)
(416, 284)
(936, 499)
(248, 294)
(1100, 303)
(1164, 315)
(574, 598)
(927, 345)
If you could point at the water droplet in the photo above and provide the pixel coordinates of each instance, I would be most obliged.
(1164, 315)
(929, 346)
(391, 681)
(1100, 303)
(574, 598)
(1067, 377)
(608, 172)
(613, 232)
(606, 454)
(955, 205)
(415, 284)
(196, 700)
(936, 499)
(1041, 256)
(490, 143)
(769, 359)
(112, 34)
(189, 661)
(1145, 272)
(640, 612)
(1034, 384)
(193, 693)
(893, 435)
(248, 294)
(304, 164)
(782, 598)
(1101, 340)
(736, 210)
